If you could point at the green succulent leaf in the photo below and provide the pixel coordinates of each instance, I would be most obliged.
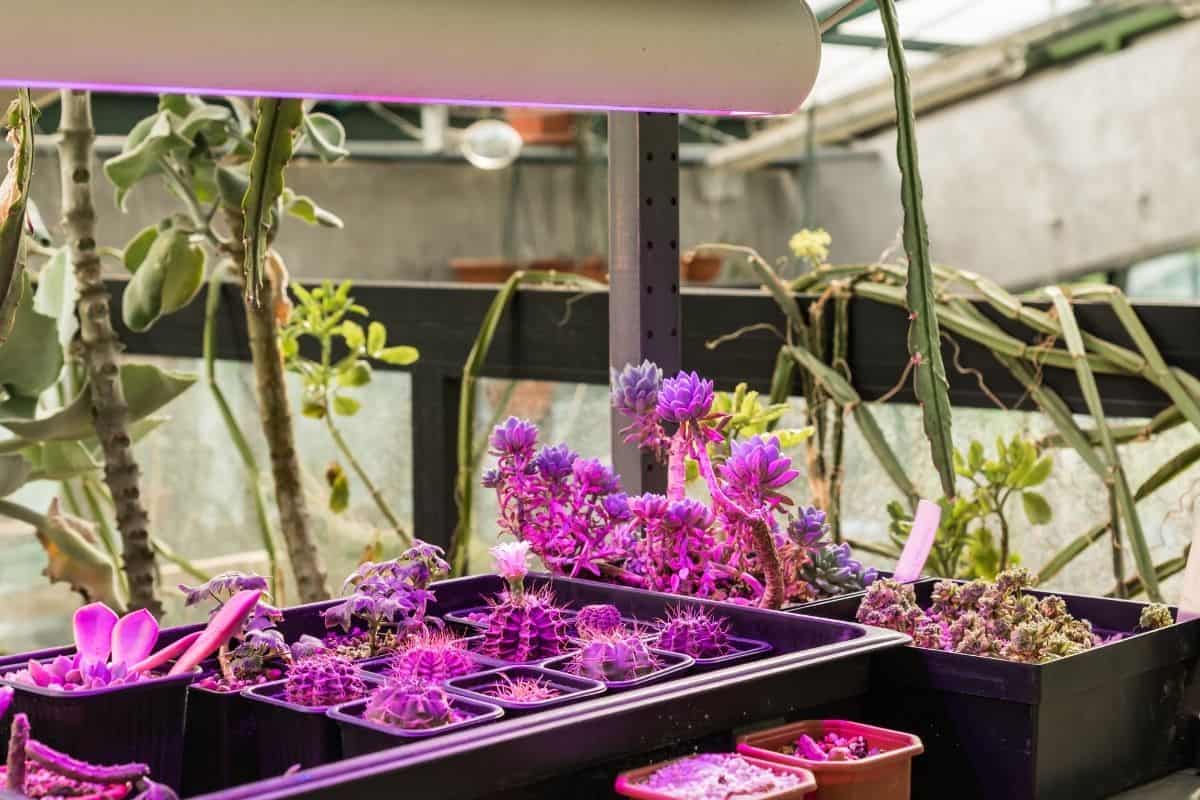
(355, 375)
(31, 359)
(401, 355)
(326, 135)
(138, 247)
(1037, 509)
(150, 140)
(60, 461)
(346, 406)
(339, 488)
(277, 122)
(352, 332)
(147, 389)
(302, 207)
(55, 296)
(74, 558)
(15, 470)
(793, 437)
(376, 338)
(166, 280)
(14, 197)
(1033, 474)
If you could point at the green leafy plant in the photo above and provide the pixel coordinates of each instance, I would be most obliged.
(748, 416)
(973, 539)
(225, 163)
(324, 314)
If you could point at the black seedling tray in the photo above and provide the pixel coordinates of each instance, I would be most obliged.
(814, 664)
(1080, 727)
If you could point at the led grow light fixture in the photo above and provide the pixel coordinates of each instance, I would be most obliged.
(693, 56)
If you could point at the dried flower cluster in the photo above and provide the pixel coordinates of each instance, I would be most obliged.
(982, 618)
(719, 776)
(742, 547)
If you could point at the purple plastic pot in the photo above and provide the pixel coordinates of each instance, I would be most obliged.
(1085, 726)
(142, 721)
(672, 663)
(290, 734)
(360, 736)
(571, 687)
(741, 649)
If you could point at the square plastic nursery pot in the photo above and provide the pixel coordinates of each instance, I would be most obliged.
(289, 734)
(886, 776)
(632, 782)
(803, 607)
(360, 735)
(1086, 726)
(816, 668)
(569, 687)
(740, 649)
(221, 734)
(669, 664)
(142, 721)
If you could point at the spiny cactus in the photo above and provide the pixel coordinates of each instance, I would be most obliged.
(526, 628)
(614, 657)
(323, 681)
(694, 632)
(410, 706)
(523, 690)
(432, 658)
(598, 619)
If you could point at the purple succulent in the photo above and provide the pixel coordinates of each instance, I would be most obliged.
(757, 469)
(635, 389)
(688, 513)
(649, 506)
(594, 477)
(617, 507)
(554, 462)
(514, 437)
(222, 587)
(685, 398)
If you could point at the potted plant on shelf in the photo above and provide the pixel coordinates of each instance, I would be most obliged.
(716, 775)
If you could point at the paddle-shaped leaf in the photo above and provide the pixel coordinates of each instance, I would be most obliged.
(93, 625)
(173, 650)
(134, 637)
(278, 121)
(224, 624)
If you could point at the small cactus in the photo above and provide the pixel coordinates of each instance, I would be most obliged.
(525, 627)
(432, 658)
(323, 681)
(613, 658)
(694, 632)
(523, 690)
(600, 618)
(410, 706)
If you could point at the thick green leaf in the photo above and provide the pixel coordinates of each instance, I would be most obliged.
(166, 281)
(55, 296)
(346, 406)
(326, 135)
(277, 122)
(147, 389)
(339, 488)
(356, 375)
(209, 121)
(60, 461)
(302, 207)
(924, 338)
(14, 197)
(376, 338)
(352, 332)
(31, 359)
(1035, 474)
(15, 470)
(401, 355)
(232, 183)
(74, 558)
(1037, 509)
(138, 247)
(148, 142)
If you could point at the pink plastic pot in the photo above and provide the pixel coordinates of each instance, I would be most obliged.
(886, 776)
(630, 784)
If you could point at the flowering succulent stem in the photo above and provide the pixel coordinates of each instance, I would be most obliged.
(18, 739)
(768, 560)
(677, 468)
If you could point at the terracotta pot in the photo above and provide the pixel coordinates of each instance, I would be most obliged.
(530, 400)
(482, 270)
(593, 267)
(542, 127)
(700, 267)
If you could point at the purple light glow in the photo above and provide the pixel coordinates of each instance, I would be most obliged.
(18, 83)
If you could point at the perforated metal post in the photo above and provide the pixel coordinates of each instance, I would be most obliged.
(643, 252)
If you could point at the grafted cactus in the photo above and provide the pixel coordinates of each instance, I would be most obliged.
(323, 681)
(411, 706)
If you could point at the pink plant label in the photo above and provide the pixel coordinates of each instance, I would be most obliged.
(1189, 601)
(920, 542)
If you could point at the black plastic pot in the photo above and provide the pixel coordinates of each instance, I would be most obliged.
(816, 667)
(140, 721)
(1081, 727)
(290, 735)
(221, 741)
(361, 736)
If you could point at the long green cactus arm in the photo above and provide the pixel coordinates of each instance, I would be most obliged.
(1164, 420)
(14, 196)
(1116, 472)
(924, 336)
(278, 121)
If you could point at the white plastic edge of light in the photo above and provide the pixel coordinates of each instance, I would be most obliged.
(726, 57)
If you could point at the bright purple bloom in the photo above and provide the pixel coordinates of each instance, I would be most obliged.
(688, 513)
(685, 398)
(635, 389)
(617, 507)
(554, 462)
(594, 477)
(809, 527)
(514, 437)
(756, 469)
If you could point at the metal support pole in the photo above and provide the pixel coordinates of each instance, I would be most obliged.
(643, 252)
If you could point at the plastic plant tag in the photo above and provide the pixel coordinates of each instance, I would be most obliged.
(1189, 601)
(920, 542)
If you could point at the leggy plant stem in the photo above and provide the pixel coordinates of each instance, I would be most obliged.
(22, 514)
(276, 417)
(100, 348)
(14, 778)
(241, 444)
